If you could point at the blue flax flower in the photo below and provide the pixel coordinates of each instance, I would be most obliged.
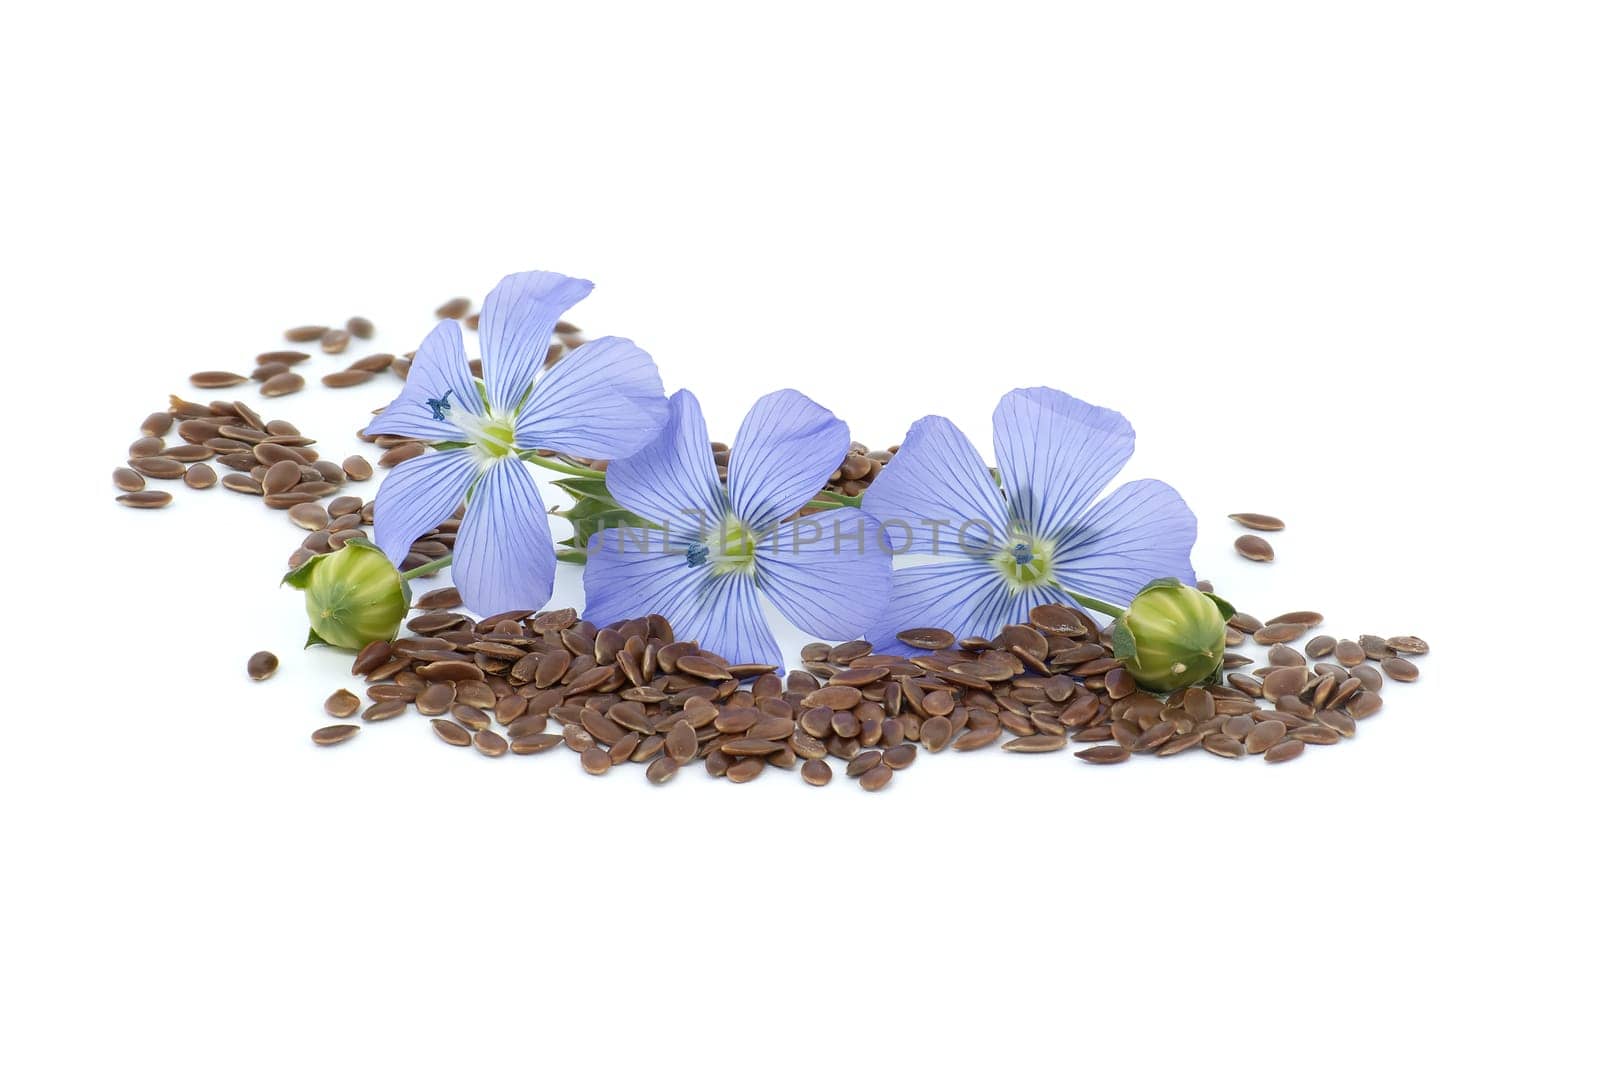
(1036, 537)
(715, 552)
(602, 401)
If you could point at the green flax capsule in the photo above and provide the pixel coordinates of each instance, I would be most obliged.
(1172, 636)
(353, 596)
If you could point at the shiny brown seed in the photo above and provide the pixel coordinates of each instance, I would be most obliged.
(937, 733)
(1105, 755)
(1309, 618)
(1364, 705)
(1264, 735)
(282, 384)
(302, 333)
(280, 477)
(451, 733)
(402, 453)
(1284, 751)
(145, 500)
(1349, 653)
(373, 363)
(1318, 734)
(200, 476)
(1254, 548)
(1039, 743)
(596, 761)
(1179, 744)
(1154, 736)
(1224, 746)
(535, 743)
(127, 480)
(1263, 522)
(1289, 680)
(262, 665)
(356, 468)
(926, 639)
(705, 668)
(816, 772)
(309, 516)
(1281, 633)
(384, 709)
(470, 716)
(1338, 720)
(216, 379)
(490, 744)
(976, 739)
(1321, 646)
(745, 770)
(342, 703)
(334, 341)
(347, 378)
(453, 308)
(158, 466)
(157, 424)
(1401, 669)
(862, 762)
(661, 770)
(360, 328)
(329, 735)
(876, 779)
(371, 657)
(1408, 645)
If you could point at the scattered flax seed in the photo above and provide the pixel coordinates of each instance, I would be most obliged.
(1254, 548)
(1263, 522)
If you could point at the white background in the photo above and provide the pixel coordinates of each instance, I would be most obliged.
(1335, 261)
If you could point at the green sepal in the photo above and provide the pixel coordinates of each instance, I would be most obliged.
(312, 639)
(300, 576)
(1222, 604)
(1122, 646)
(1161, 582)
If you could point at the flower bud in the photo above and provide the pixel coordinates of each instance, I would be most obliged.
(353, 596)
(1172, 636)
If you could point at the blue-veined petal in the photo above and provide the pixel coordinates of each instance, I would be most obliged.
(782, 456)
(625, 578)
(439, 382)
(514, 330)
(603, 401)
(1056, 454)
(965, 596)
(504, 557)
(1139, 532)
(827, 573)
(672, 480)
(417, 495)
(936, 494)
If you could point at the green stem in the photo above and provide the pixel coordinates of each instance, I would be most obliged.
(832, 500)
(575, 555)
(1097, 604)
(426, 568)
(559, 467)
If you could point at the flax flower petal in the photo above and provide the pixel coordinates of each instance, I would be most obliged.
(626, 579)
(514, 330)
(603, 401)
(829, 574)
(504, 557)
(672, 480)
(417, 495)
(1056, 455)
(1141, 531)
(936, 488)
(782, 456)
(438, 383)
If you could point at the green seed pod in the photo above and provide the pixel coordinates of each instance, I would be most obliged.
(353, 596)
(1172, 636)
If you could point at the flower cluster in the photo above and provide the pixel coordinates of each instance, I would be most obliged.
(982, 546)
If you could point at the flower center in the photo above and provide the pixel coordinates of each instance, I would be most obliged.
(1025, 561)
(494, 435)
(729, 547)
